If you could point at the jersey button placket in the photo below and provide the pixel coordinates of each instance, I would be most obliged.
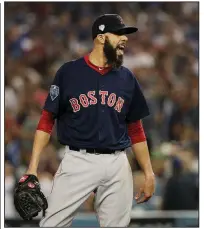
(101, 110)
(99, 135)
(99, 130)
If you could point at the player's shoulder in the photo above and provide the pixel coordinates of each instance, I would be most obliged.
(66, 69)
(72, 64)
(128, 73)
(130, 77)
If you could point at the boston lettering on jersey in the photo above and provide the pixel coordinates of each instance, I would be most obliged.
(89, 99)
(93, 106)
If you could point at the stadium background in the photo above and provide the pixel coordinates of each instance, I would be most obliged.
(40, 37)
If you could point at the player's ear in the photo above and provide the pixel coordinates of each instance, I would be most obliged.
(101, 38)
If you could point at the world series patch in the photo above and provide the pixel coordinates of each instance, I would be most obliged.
(54, 92)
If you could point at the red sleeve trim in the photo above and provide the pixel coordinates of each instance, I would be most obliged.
(136, 132)
(46, 122)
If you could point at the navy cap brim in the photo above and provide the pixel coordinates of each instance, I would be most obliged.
(125, 30)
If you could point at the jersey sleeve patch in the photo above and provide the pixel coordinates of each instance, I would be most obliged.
(54, 92)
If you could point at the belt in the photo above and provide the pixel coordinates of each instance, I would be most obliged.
(96, 151)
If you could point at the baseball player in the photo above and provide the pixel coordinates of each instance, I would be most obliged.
(98, 106)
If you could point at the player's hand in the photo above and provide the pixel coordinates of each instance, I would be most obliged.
(147, 191)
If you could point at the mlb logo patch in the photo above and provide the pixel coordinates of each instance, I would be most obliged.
(54, 92)
(101, 27)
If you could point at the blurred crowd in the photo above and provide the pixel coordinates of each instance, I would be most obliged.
(40, 37)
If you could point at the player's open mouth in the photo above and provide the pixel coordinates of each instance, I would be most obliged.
(121, 47)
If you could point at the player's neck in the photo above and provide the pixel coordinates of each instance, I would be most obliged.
(98, 58)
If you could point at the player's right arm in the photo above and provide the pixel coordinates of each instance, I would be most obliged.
(50, 112)
(41, 139)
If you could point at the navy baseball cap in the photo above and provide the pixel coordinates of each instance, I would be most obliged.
(112, 23)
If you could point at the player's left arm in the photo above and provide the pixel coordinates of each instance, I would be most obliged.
(137, 111)
(141, 151)
(140, 147)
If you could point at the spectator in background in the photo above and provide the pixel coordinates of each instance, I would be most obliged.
(182, 188)
(181, 191)
(10, 211)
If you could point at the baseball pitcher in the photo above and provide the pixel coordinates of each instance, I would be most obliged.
(98, 106)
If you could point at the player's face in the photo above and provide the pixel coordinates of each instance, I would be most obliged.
(114, 49)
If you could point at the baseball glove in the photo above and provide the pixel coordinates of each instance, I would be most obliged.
(28, 198)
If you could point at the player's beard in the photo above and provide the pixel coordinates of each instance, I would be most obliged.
(111, 55)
